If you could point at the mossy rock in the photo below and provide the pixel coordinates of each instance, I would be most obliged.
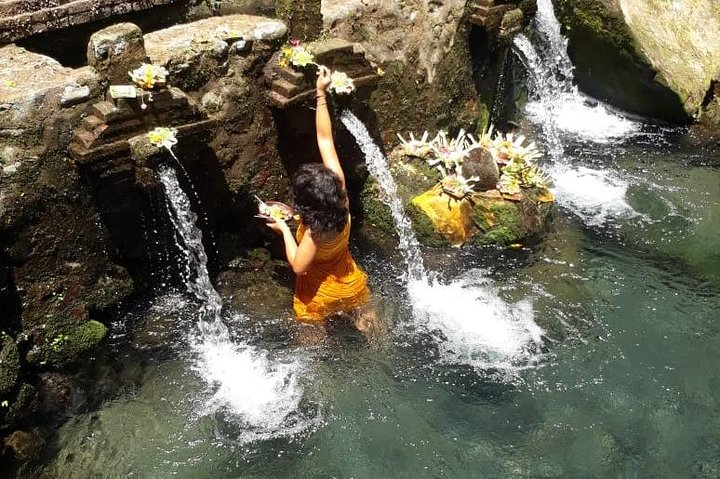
(609, 64)
(68, 347)
(9, 366)
(504, 222)
(498, 220)
(14, 407)
(486, 218)
(424, 228)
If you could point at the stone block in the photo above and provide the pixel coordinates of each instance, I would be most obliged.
(116, 50)
(74, 94)
(80, 6)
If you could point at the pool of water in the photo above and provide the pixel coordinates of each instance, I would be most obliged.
(593, 354)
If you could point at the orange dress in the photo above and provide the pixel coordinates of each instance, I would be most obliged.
(333, 283)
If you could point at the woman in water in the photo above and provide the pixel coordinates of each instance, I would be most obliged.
(328, 281)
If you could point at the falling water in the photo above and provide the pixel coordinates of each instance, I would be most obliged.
(468, 319)
(197, 279)
(560, 111)
(264, 394)
(378, 167)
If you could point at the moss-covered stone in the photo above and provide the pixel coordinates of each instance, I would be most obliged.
(9, 365)
(499, 221)
(68, 346)
(17, 405)
(424, 228)
(614, 63)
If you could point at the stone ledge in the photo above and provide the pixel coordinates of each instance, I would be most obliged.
(20, 18)
(164, 45)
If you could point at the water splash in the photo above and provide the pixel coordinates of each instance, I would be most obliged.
(469, 321)
(557, 106)
(559, 110)
(261, 393)
(473, 325)
(596, 196)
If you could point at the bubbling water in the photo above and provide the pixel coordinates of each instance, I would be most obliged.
(473, 325)
(263, 394)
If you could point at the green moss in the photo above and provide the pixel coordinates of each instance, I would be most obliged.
(68, 347)
(483, 122)
(499, 221)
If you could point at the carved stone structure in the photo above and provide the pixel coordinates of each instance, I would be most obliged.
(291, 85)
(22, 18)
(502, 17)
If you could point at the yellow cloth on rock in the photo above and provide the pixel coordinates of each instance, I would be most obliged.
(333, 283)
(450, 217)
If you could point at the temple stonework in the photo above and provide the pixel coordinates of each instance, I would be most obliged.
(21, 18)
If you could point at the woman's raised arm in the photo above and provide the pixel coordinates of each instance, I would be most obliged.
(323, 125)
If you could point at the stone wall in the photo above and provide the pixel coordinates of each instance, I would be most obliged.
(20, 18)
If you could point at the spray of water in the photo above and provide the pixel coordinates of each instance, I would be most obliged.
(559, 110)
(470, 322)
(261, 393)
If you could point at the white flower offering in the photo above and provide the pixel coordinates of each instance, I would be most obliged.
(341, 83)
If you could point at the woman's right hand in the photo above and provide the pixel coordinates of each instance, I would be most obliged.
(277, 225)
(323, 80)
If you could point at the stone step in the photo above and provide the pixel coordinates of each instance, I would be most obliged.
(92, 123)
(292, 76)
(493, 10)
(105, 111)
(84, 138)
(484, 3)
(285, 88)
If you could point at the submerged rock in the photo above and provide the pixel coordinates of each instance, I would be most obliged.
(24, 445)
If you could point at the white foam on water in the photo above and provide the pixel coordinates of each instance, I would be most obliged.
(263, 395)
(570, 113)
(596, 196)
(473, 325)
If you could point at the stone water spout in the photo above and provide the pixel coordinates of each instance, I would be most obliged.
(501, 17)
(105, 131)
(290, 85)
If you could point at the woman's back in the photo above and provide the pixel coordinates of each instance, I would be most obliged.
(333, 282)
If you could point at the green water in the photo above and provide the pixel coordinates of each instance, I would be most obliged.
(627, 382)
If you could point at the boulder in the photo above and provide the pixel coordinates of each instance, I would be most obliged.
(656, 59)
(480, 163)
(442, 219)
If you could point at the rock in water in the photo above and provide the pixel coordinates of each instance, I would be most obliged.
(480, 163)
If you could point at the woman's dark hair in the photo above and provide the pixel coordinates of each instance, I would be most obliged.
(320, 198)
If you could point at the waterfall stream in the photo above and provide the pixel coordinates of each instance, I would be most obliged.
(263, 392)
(470, 322)
(563, 115)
